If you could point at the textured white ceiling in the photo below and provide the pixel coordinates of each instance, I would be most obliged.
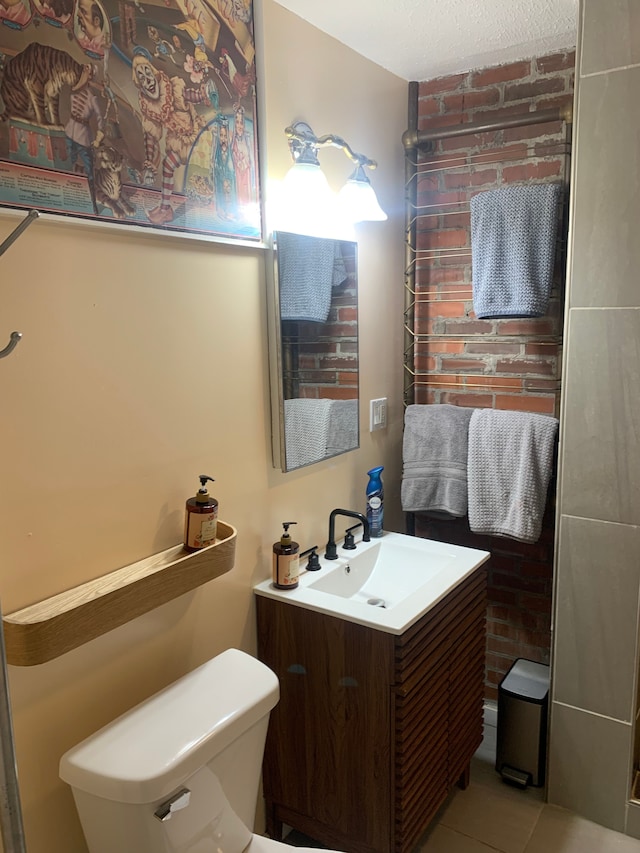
(422, 39)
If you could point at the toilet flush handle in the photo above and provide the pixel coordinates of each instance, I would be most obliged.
(177, 802)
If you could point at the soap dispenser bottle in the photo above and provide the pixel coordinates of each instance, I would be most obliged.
(286, 560)
(201, 518)
(375, 501)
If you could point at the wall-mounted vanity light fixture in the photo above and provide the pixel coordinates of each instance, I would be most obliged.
(306, 186)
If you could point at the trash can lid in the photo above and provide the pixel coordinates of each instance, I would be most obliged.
(527, 679)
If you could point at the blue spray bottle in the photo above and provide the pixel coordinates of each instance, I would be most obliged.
(375, 501)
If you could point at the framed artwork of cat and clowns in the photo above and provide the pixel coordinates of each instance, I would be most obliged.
(140, 112)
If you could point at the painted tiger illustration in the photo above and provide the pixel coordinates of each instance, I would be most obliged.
(107, 163)
(32, 82)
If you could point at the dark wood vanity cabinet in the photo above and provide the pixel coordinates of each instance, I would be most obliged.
(372, 729)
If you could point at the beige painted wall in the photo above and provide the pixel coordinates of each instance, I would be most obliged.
(143, 363)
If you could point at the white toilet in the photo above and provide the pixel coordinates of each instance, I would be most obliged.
(179, 773)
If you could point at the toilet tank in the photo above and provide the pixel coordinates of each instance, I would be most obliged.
(179, 772)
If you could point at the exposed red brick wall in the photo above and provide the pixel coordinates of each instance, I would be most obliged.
(505, 364)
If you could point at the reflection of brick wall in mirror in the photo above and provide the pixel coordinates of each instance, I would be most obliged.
(328, 352)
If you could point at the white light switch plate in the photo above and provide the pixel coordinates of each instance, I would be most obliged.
(377, 414)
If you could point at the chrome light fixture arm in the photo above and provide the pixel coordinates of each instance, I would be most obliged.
(304, 144)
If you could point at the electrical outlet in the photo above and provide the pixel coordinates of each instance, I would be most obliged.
(377, 414)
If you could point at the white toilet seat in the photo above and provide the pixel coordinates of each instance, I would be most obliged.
(262, 844)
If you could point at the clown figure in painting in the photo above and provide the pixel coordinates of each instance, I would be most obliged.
(167, 108)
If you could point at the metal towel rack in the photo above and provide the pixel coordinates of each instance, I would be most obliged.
(419, 335)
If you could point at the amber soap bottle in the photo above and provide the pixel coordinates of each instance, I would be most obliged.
(201, 518)
(286, 560)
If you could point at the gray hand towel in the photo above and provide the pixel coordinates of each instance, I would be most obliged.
(308, 267)
(342, 433)
(510, 464)
(513, 242)
(306, 428)
(434, 453)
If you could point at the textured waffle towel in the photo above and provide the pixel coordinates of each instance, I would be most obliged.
(510, 464)
(306, 429)
(342, 433)
(308, 267)
(434, 451)
(513, 241)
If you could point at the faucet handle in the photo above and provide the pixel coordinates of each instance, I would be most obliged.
(313, 563)
(349, 543)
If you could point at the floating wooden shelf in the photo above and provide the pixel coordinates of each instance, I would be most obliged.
(50, 628)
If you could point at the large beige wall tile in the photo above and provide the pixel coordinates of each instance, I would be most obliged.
(589, 765)
(611, 35)
(605, 245)
(633, 820)
(596, 615)
(601, 437)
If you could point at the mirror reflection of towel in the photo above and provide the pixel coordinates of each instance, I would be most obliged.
(315, 429)
(308, 267)
(306, 427)
(343, 427)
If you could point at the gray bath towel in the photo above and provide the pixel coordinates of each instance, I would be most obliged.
(513, 241)
(434, 452)
(308, 267)
(510, 464)
(306, 429)
(342, 433)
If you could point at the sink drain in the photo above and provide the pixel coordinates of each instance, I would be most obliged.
(376, 602)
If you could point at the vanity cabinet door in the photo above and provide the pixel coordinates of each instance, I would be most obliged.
(328, 765)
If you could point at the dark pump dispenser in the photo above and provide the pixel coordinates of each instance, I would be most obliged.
(201, 518)
(286, 560)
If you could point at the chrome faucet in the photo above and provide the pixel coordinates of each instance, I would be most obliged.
(331, 552)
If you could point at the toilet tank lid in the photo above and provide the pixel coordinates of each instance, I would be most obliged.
(147, 752)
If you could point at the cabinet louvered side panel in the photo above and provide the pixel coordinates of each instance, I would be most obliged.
(466, 694)
(439, 678)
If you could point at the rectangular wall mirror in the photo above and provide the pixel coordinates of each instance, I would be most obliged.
(313, 349)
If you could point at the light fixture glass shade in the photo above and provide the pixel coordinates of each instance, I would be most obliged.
(308, 205)
(358, 200)
(305, 185)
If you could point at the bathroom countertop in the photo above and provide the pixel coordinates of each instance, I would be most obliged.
(392, 581)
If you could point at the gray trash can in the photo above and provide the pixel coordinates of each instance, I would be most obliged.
(523, 698)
